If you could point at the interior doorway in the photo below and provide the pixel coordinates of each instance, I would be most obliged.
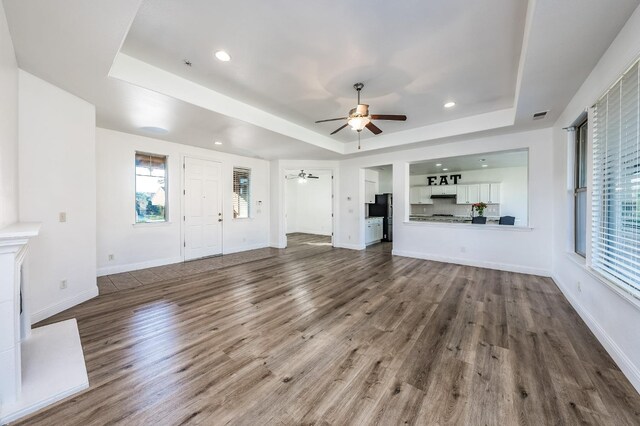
(309, 205)
(378, 208)
(202, 208)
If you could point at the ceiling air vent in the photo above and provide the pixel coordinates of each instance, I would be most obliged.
(540, 115)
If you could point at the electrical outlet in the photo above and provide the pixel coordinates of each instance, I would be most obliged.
(349, 237)
(579, 287)
(63, 216)
(63, 284)
(110, 257)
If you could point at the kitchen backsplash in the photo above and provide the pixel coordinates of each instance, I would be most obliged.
(448, 206)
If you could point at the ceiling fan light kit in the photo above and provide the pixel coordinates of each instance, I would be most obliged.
(302, 176)
(359, 117)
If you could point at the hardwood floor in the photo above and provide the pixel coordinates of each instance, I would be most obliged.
(317, 335)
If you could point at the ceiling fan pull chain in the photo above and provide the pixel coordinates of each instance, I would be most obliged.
(358, 140)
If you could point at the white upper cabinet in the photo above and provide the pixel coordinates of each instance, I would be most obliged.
(420, 195)
(473, 194)
(490, 193)
(370, 191)
(462, 194)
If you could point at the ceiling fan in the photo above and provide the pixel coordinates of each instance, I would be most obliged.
(359, 117)
(302, 176)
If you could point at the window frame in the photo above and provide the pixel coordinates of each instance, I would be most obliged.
(581, 151)
(136, 222)
(249, 172)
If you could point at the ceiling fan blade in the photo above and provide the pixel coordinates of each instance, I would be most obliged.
(313, 177)
(389, 117)
(332, 119)
(339, 128)
(374, 129)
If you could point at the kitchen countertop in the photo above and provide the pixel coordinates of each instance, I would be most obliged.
(491, 220)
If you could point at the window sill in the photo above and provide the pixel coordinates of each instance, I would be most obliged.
(620, 291)
(508, 228)
(150, 224)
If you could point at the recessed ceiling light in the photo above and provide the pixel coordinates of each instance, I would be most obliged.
(444, 170)
(155, 130)
(223, 56)
(217, 143)
(485, 165)
(438, 165)
(449, 104)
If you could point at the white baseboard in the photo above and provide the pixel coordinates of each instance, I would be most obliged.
(116, 269)
(349, 246)
(63, 305)
(625, 364)
(245, 248)
(277, 245)
(470, 262)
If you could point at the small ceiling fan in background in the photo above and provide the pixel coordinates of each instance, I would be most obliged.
(302, 176)
(359, 117)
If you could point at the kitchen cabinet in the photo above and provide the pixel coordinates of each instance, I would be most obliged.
(420, 195)
(467, 194)
(373, 231)
(370, 191)
(490, 193)
(443, 189)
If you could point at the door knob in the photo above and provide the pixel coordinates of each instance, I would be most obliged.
(219, 220)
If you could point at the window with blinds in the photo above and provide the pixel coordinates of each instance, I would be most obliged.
(151, 188)
(241, 192)
(615, 250)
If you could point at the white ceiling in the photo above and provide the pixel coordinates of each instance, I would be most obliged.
(494, 160)
(299, 60)
(294, 62)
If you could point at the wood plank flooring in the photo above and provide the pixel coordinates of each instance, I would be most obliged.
(317, 335)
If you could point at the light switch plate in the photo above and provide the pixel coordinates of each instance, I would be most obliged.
(63, 216)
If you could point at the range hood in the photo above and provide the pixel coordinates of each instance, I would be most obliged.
(443, 196)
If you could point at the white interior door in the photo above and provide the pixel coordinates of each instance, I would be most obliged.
(203, 208)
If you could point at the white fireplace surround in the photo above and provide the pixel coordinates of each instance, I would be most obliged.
(39, 366)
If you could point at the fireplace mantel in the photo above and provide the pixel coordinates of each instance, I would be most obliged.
(39, 366)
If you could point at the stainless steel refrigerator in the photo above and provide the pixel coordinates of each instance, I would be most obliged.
(384, 208)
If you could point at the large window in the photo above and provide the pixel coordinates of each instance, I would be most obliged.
(241, 192)
(616, 183)
(151, 188)
(580, 191)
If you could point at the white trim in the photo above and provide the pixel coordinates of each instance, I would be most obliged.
(63, 305)
(631, 371)
(481, 264)
(116, 269)
(151, 224)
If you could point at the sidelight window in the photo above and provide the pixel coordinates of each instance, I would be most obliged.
(151, 188)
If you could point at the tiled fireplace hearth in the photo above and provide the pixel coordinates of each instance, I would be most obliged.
(39, 366)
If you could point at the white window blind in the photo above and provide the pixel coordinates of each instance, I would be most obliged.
(616, 183)
(241, 192)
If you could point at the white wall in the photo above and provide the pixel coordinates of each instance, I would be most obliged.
(8, 126)
(513, 191)
(57, 173)
(145, 245)
(508, 248)
(610, 315)
(308, 204)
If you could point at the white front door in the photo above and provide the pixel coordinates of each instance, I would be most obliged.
(203, 208)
